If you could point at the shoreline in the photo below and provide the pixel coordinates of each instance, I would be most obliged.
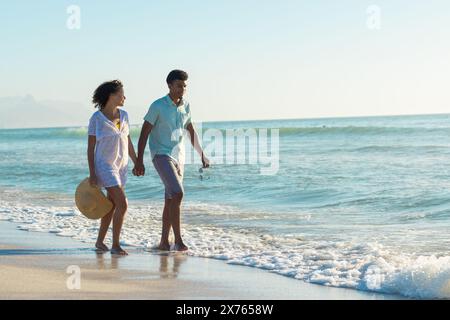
(34, 265)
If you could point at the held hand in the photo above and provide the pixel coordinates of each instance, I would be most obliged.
(93, 180)
(205, 161)
(139, 169)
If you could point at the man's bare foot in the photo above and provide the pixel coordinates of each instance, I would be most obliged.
(180, 246)
(119, 251)
(101, 247)
(164, 246)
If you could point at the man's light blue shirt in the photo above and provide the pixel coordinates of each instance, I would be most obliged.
(168, 121)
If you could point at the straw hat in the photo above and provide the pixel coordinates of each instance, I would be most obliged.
(91, 201)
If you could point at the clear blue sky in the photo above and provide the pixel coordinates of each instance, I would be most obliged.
(246, 59)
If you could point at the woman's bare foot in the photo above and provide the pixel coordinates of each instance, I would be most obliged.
(180, 246)
(164, 246)
(119, 251)
(101, 247)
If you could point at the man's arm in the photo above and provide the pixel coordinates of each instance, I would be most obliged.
(195, 143)
(145, 132)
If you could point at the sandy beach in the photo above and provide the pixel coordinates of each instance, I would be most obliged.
(34, 265)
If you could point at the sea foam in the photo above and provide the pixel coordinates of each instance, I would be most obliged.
(348, 264)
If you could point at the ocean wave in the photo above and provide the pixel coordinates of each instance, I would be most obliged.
(362, 266)
(429, 215)
(343, 130)
(53, 133)
(440, 203)
(401, 148)
(81, 132)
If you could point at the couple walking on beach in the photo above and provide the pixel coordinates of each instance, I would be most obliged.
(110, 147)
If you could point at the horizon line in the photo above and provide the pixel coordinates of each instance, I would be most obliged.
(255, 120)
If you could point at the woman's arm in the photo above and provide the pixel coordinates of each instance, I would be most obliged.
(131, 151)
(145, 132)
(90, 155)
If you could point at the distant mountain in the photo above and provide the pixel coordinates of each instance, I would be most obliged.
(26, 112)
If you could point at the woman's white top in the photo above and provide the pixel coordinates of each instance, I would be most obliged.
(111, 149)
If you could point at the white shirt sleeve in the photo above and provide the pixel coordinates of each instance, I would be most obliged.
(92, 126)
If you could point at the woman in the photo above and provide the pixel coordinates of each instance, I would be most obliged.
(109, 146)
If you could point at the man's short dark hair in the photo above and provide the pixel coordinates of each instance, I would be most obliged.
(176, 75)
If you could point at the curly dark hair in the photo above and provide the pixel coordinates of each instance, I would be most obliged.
(102, 93)
(176, 75)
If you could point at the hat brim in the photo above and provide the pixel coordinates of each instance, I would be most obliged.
(91, 201)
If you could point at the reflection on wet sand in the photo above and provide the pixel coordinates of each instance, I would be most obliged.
(175, 261)
(169, 263)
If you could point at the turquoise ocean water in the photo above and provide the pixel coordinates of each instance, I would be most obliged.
(362, 203)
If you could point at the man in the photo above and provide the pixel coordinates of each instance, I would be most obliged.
(165, 122)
